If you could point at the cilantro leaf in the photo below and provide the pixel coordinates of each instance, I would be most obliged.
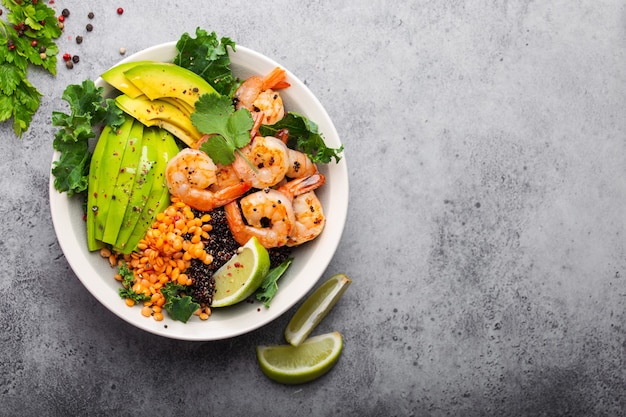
(216, 115)
(208, 57)
(179, 306)
(269, 287)
(303, 136)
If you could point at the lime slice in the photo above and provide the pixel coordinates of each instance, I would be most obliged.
(299, 364)
(242, 275)
(315, 308)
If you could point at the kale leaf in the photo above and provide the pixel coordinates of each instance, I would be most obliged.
(179, 306)
(87, 109)
(207, 56)
(269, 287)
(303, 136)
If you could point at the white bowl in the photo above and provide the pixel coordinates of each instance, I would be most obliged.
(310, 260)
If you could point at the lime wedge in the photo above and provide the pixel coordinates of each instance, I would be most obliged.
(242, 275)
(299, 364)
(315, 308)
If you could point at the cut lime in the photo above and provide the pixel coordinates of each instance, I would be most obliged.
(315, 308)
(299, 364)
(242, 275)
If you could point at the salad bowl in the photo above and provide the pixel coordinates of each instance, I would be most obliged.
(310, 260)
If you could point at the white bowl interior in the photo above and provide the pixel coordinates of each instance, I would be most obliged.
(310, 261)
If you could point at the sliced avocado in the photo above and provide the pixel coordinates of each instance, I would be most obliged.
(144, 178)
(159, 197)
(158, 80)
(115, 145)
(120, 194)
(92, 193)
(162, 114)
(180, 105)
(115, 76)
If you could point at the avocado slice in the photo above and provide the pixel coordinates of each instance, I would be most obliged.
(92, 193)
(109, 166)
(120, 194)
(115, 76)
(144, 178)
(158, 80)
(162, 114)
(159, 197)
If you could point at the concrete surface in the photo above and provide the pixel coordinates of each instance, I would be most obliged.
(486, 236)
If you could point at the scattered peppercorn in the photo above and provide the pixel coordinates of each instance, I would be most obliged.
(120, 10)
(65, 13)
(43, 55)
(122, 51)
(67, 57)
(69, 64)
(90, 15)
(61, 18)
(89, 27)
(0, 12)
(79, 39)
(42, 49)
(60, 25)
(75, 59)
(33, 43)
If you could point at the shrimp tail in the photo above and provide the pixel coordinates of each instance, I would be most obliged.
(302, 185)
(276, 79)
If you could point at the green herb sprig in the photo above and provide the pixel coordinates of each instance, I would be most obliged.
(26, 38)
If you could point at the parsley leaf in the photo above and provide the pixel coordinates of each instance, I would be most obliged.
(180, 307)
(208, 57)
(216, 115)
(87, 110)
(26, 22)
(269, 287)
(304, 136)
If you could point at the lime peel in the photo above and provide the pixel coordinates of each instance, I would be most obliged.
(315, 308)
(289, 364)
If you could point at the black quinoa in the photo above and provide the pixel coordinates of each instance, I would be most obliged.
(222, 246)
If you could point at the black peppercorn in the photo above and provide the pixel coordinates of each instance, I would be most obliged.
(79, 39)
(90, 15)
(75, 59)
(89, 27)
(42, 49)
(69, 64)
(65, 13)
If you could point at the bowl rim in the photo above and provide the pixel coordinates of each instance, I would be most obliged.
(63, 211)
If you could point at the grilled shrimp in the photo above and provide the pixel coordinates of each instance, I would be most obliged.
(268, 215)
(192, 176)
(258, 95)
(300, 165)
(307, 208)
(264, 162)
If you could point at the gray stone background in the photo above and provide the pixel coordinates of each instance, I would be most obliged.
(486, 236)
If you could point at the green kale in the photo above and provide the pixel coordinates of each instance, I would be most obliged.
(208, 57)
(127, 283)
(269, 287)
(216, 115)
(87, 109)
(179, 306)
(303, 136)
